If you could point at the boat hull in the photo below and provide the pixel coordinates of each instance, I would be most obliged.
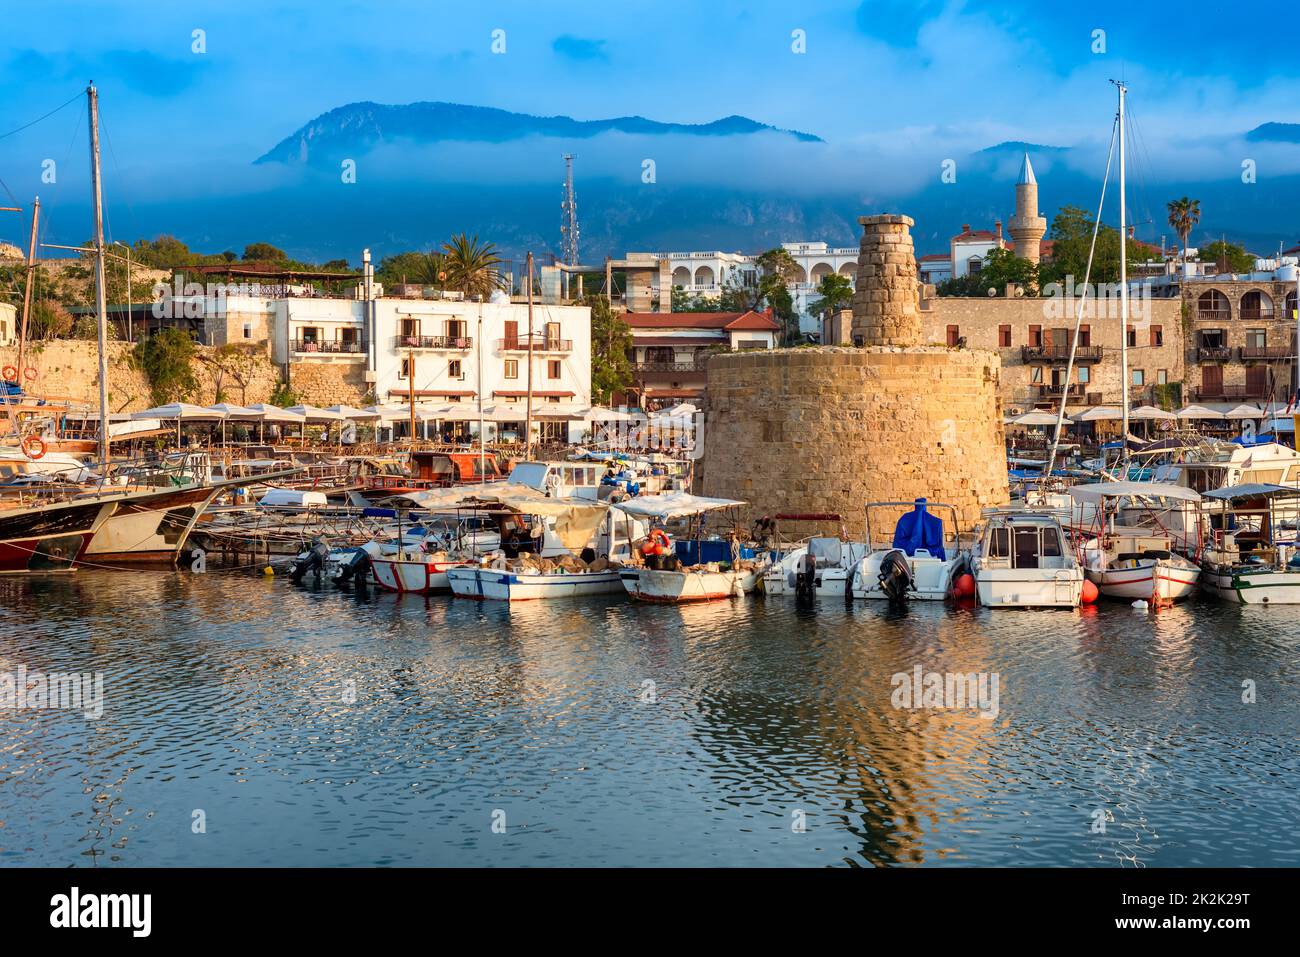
(931, 578)
(152, 529)
(686, 585)
(1148, 579)
(495, 584)
(417, 577)
(49, 538)
(1029, 587)
(1251, 587)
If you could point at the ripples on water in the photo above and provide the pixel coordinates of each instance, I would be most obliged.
(230, 694)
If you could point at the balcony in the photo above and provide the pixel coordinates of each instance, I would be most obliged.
(1235, 393)
(1075, 390)
(1213, 354)
(668, 365)
(1266, 353)
(540, 344)
(1059, 354)
(310, 346)
(1213, 314)
(452, 343)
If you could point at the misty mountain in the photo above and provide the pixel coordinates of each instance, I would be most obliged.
(357, 127)
(1275, 133)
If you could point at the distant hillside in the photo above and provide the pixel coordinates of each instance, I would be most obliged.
(1275, 133)
(349, 129)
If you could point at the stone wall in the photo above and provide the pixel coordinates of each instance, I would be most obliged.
(885, 295)
(829, 429)
(1027, 371)
(326, 383)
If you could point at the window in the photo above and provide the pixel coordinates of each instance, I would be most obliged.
(405, 371)
(348, 337)
(248, 330)
(1162, 377)
(1085, 335)
(553, 335)
(410, 327)
(454, 369)
(974, 265)
(1036, 375)
(455, 328)
(1036, 337)
(1004, 337)
(954, 333)
(1085, 375)
(1213, 338)
(1132, 337)
(553, 369)
(1157, 336)
(512, 334)
(1139, 377)
(1256, 338)
(1257, 382)
(512, 369)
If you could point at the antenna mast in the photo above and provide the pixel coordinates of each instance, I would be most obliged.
(569, 220)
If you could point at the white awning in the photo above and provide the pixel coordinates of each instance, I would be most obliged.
(674, 505)
(180, 410)
(1100, 490)
(1150, 412)
(271, 413)
(1099, 413)
(1198, 412)
(313, 414)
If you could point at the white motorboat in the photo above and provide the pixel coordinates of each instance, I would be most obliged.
(821, 567)
(1247, 562)
(918, 561)
(503, 584)
(1134, 560)
(1022, 561)
(414, 570)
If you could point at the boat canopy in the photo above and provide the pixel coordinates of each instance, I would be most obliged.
(674, 505)
(1235, 493)
(919, 529)
(1101, 490)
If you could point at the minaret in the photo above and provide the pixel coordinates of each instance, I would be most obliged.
(1026, 226)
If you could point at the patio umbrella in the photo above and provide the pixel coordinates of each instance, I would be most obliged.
(1198, 412)
(313, 414)
(1035, 417)
(1150, 412)
(357, 415)
(1098, 413)
(270, 413)
(231, 412)
(1244, 411)
(181, 412)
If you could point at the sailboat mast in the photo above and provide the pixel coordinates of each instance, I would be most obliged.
(101, 306)
(1123, 287)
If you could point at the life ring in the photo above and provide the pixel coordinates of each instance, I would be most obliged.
(656, 543)
(34, 447)
(29, 372)
(11, 373)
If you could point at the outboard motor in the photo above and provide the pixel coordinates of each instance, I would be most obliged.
(312, 560)
(356, 567)
(805, 579)
(895, 575)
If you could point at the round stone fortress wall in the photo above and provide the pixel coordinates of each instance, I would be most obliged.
(829, 429)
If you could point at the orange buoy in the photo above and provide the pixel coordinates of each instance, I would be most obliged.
(1089, 592)
(964, 586)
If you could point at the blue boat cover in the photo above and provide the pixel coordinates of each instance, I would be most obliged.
(919, 529)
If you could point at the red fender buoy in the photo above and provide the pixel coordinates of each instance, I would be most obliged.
(1089, 592)
(964, 586)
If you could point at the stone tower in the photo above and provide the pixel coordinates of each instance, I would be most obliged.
(884, 303)
(1027, 227)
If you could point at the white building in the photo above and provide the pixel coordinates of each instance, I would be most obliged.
(8, 324)
(708, 274)
(970, 247)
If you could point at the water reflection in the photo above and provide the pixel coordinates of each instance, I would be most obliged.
(318, 726)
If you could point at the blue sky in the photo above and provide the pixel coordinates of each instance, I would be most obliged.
(884, 82)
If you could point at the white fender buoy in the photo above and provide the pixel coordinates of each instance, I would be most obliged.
(1140, 604)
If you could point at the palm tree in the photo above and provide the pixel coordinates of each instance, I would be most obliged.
(471, 266)
(1184, 215)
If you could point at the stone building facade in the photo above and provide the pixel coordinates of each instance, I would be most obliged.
(1240, 340)
(1032, 338)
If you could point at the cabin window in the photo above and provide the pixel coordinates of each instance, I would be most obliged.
(999, 542)
(1004, 337)
(1264, 476)
(1027, 547)
(553, 369)
(512, 369)
(1051, 543)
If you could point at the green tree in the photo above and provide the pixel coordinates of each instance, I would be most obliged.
(264, 252)
(472, 268)
(611, 346)
(1184, 216)
(1229, 256)
(166, 359)
(49, 320)
(1071, 236)
(834, 292)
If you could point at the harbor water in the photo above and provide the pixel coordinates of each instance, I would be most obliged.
(249, 721)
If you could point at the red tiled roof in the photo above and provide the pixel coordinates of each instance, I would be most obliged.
(698, 320)
(753, 322)
(936, 257)
(975, 235)
(1293, 251)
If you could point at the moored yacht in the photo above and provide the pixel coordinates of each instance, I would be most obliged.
(1023, 561)
(918, 560)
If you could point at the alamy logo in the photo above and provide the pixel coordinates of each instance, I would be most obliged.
(102, 910)
(957, 690)
(22, 689)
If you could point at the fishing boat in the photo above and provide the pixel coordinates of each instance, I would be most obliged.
(1127, 552)
(662, 577)
(918, 561)
(1022, 561)
(1247, 561)
(49, 537)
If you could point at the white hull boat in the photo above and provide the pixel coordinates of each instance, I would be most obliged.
(1023, 562)
(823, 568)
(687, 584)
(504, 585)
(1164, 579)
(931, 578)
(1244, 585)
(413, 572)
(919, 559)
